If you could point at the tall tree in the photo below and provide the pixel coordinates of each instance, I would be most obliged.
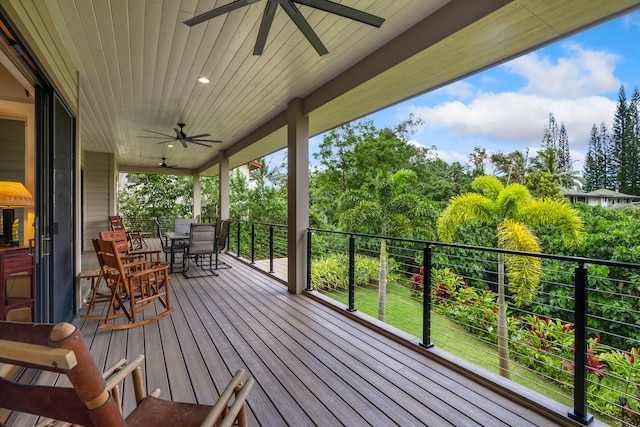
(597, 168)
(354, 153)
(634, 136)
(625, 150)
(513, 211)
(477, 158)
(551, 134)
(564, 154)
(512, 166)
(388, 206)
(555, 138)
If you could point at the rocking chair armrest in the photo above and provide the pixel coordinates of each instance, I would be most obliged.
(115, 375)
(134, 266)
(134, 253)
(147, 271)
(237, 390)
(119, 371)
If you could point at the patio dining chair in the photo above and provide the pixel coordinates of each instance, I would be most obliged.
(178, 247)
(202, 239)
(222, 235)
(134, 285)
(95, 399)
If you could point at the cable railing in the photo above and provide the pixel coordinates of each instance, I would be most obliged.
(258, 241)
(566, 327)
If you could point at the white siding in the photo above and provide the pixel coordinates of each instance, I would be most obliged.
(97, 194)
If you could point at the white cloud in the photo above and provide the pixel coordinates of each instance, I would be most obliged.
(459, 90)
(518, 118)
(570, 87)
(452, 156)
(632, 20)
(582, 72)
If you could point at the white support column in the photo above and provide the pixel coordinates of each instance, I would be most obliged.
(298, 197)
(223, 211)
(197, 198)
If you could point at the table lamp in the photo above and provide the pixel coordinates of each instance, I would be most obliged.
(12, 195)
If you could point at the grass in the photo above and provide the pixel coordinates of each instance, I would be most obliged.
(405, 313)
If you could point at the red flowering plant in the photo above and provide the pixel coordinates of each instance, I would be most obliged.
(444, 281)
(549, 335)
(595, 366)
(417, 283)
(445, 285)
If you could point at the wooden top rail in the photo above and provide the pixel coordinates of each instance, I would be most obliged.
(37, 354)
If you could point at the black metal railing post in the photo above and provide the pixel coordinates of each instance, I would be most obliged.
(238, 240)
(253, 243)
(309, 288)
(271, 249)
(579, 411)
(426, 298)
(352, 281)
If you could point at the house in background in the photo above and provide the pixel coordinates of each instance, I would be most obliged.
(601, 197)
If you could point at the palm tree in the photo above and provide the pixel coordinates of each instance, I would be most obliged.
(386, 207)
(548, 161)
(513, 210)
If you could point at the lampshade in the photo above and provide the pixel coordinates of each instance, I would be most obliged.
(14, 195)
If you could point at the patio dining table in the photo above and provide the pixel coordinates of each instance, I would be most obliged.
(175, 238)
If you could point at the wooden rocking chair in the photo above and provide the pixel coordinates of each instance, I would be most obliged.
(94, 399)
(135, 238)
(135, 285)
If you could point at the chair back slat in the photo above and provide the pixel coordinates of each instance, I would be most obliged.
(120, 237)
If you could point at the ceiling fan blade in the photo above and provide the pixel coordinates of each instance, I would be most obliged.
(166, 140)
(158, 133)
(178, 134)
(344, 11)
(199, 143)
(237, 4)
(304, 26)
(198, 136)
(265, 26)
(184, 143)
(206, 140)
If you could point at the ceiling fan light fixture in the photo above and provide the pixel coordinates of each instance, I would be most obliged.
(203, 80)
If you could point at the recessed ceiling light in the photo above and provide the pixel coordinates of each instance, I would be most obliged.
(170, 145)
(203, 80)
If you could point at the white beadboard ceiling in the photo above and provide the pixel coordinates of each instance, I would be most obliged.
(139, 65)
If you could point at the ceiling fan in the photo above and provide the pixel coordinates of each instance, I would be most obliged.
(182, 137)
(294, 14)
(163, 164)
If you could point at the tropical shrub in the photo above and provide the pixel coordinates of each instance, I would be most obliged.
(332, 272)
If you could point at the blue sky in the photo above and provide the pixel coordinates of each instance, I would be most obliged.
(507, 108)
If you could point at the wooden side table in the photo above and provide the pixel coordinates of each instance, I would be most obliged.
(15, 261)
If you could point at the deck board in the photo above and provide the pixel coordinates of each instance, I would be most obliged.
(312, 365)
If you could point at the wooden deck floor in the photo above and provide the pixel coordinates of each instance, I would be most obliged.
(312, 365)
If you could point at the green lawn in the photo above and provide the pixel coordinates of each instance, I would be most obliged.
(405, 313)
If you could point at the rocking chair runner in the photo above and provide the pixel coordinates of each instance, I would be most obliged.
(92, 401)
(134, 286)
